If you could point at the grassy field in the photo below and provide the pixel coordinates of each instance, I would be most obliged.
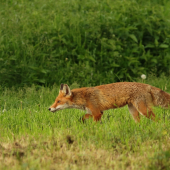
(31, 137)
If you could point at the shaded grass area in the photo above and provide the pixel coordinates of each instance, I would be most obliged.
(31, 137)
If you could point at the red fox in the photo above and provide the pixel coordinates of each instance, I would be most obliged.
(139, 97)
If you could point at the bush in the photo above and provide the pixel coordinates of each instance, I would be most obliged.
(88, 42)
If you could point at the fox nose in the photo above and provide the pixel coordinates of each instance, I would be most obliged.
(49, 109)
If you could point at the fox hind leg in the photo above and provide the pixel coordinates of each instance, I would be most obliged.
(134, 112)
(145, 110)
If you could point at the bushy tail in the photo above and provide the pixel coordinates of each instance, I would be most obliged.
(160, 98)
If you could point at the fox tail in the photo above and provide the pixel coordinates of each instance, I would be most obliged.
(160, 98)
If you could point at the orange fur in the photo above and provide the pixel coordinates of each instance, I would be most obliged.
(138, 96)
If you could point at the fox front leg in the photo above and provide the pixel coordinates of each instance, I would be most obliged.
(96, 116)
(86, 116)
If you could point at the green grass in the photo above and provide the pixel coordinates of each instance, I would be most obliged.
(31, 137)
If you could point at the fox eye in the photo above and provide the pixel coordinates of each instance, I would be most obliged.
(59, 101)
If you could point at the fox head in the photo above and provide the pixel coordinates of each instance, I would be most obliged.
(63, 99)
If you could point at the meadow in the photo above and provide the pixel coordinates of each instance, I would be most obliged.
(31, 137)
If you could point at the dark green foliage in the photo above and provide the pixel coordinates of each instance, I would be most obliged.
(88, 42)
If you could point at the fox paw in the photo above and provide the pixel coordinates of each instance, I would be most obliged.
(82, 120)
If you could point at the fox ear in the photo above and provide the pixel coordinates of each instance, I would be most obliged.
(61, 86)
(66, 90)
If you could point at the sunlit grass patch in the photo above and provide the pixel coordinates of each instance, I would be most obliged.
(33, 137)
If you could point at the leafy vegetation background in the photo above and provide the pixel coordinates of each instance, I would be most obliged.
(85, 42)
